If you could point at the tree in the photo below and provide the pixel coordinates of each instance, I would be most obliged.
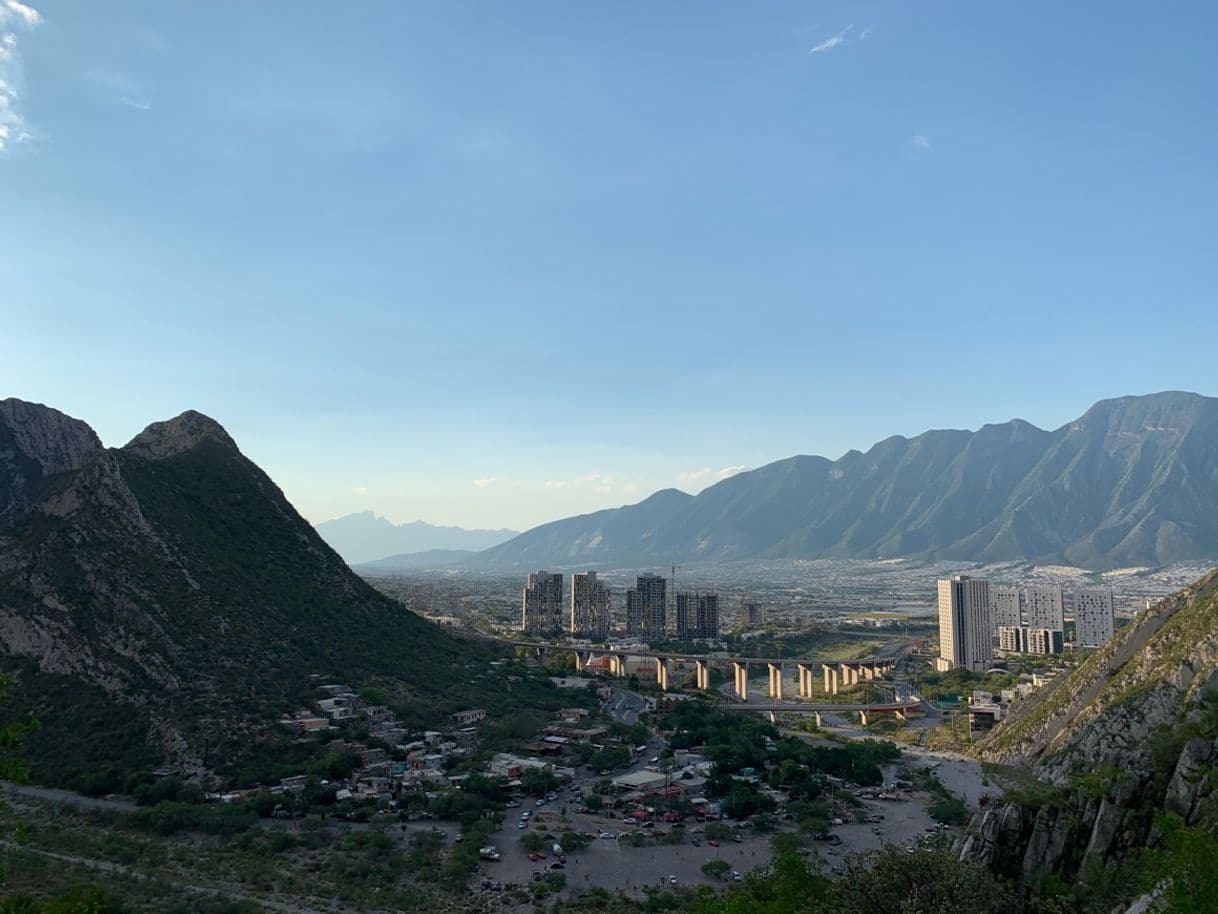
(538, 781)
(793, 888)
(926, 881)
(716, 869)
(532, 841)
(594, 801)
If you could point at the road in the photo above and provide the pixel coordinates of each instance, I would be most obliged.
(228, 893)
(53, 795)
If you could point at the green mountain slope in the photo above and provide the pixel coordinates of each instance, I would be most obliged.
(164, 601)
(1125, 749)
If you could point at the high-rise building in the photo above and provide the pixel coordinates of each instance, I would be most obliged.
(966, 639)
(1093, 622)
(541, 604)
(1044, 607)
(591, 614)
(646, 607)
(686, 615)
(708, 616)
(1004, 607)
(697, 616)
(752, 615)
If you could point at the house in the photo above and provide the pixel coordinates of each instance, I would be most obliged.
(465, 718)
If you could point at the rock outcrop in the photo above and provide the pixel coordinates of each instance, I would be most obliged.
(1133, 730)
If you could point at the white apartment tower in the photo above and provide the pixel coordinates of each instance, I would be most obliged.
(541, 604)
(590, 608)
(1045, 608)
(965, 632)
(1093, 623)
(1005, 610)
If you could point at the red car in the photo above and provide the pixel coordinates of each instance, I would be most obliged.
(713, 843)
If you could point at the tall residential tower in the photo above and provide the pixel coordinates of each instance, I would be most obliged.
(965, 632)
(541, 604)
(590, 608)
(646, 608)
(1093, 623)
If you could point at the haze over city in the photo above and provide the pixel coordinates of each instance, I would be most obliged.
(493, 267)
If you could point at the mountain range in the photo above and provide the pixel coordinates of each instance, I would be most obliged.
(1133, 481)
(164, 602)
(366, 537)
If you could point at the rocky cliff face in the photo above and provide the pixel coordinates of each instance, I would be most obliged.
(37, 443)
(1132, 731)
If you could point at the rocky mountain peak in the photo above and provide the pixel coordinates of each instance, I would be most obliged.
(55, 442)
(174, 436)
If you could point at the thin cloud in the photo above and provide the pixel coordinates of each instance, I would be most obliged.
(694, 475)
(14, 15)
(830, 43)
(485, 482)
(732, 471)
(124, 89)
(598, 483)
(920, 141)
(863, 34)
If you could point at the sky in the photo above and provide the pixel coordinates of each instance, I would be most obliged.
(492, 264)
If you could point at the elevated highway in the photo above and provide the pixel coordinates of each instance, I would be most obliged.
(835, 672)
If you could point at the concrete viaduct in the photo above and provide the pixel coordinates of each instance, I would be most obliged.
(836, 673)
(899, 710)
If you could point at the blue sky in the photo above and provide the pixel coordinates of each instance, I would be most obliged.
(491, 264)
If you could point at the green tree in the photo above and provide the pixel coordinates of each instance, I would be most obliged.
(926, 881)
(716, 869)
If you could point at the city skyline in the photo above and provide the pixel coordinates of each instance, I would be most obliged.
(368, 264)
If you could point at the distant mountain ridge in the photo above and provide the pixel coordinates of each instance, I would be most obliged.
(366, 537)
(1134, 481)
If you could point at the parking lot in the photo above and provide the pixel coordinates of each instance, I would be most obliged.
(615, 864)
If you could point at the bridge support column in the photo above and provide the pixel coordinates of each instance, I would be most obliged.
(662, 673)
(830, 679)
(702, 669)
(900, 715)
(581, 661)
(775, 690)
(617, 665)
(805, 680)
(817, 716)
(863, 718)
(742, 679)
(868, 671)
